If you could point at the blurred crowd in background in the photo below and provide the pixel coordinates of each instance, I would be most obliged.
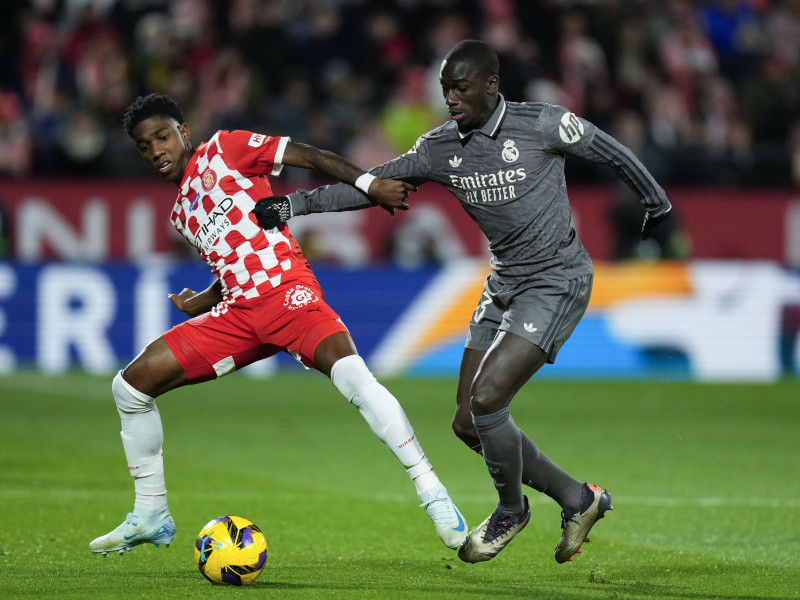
(705, 92)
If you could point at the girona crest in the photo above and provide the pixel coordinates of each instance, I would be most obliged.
(209, 178)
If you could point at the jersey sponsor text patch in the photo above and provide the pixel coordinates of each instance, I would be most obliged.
(257, 139)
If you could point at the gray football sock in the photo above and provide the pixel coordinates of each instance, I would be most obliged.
(543, 475)
(500, 439)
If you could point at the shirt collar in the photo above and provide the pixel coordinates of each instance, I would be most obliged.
(493, 124)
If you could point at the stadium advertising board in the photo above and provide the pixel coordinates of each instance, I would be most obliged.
(704, 320)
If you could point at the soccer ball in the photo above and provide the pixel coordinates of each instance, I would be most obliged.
(231, 550)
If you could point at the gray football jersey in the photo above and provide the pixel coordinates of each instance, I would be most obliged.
(509, 177)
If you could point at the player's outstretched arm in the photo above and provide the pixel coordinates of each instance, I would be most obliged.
(605, 149)
(274, 210)
(196, 303)
(389, 194)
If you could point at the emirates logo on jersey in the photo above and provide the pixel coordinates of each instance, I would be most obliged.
(209, 179)
(299, 296)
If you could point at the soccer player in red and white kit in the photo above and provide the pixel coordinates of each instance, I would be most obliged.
(265, 300)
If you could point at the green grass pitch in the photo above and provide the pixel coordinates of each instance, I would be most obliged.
(704, 480)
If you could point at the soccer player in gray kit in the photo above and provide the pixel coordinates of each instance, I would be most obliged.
(504, 161)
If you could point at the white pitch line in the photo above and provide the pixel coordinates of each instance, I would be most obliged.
(620, 501)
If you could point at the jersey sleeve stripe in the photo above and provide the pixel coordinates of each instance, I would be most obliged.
(277, 163)
(628, 169)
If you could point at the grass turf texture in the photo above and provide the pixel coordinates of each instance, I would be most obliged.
(704, 482)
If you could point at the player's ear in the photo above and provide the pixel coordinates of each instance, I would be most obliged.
(492, 84)
(184, 131)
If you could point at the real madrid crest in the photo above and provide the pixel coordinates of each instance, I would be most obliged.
(510, 152)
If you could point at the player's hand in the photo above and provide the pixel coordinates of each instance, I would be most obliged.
(183, 302)
(651, 221)
(272, 211)
(391, 194)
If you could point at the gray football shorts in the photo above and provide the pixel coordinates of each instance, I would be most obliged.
(544, 312)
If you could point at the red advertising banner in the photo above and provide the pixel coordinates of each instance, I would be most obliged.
(128, 220)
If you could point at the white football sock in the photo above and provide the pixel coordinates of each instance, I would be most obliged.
(142, 437)
(385, 417)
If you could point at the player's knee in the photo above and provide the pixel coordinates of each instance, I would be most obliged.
(485, 397)
(127, 398)
(466, 433)
(484, 401)
(350, 375)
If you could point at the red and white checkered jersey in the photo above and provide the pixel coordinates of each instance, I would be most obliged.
(221, 184)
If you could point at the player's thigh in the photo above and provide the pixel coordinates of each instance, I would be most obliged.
(155, 370)
(462, 419)
(217, 343)
(519, 328)
(506, 367)
(331, 349)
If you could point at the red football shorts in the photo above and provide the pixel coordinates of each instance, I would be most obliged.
(292, 318)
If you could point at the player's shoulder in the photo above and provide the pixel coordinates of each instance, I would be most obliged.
(245, 137)
(214, 143)
(534, 110)
(553, 122)
(442, 133)
(445, 131)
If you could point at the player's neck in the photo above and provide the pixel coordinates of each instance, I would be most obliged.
(188, 154)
